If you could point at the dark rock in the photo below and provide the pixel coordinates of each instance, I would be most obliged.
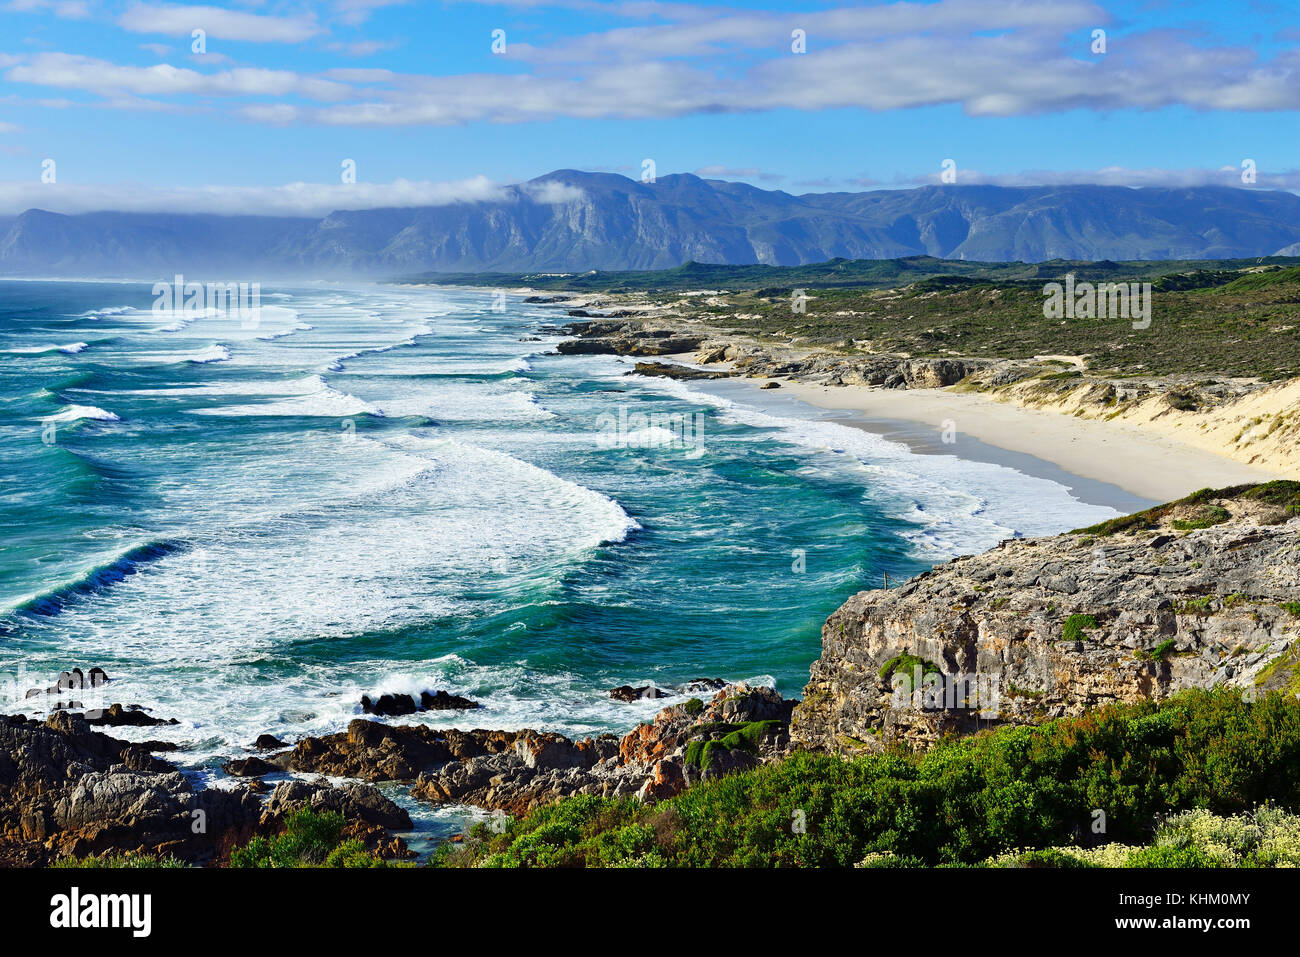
(77, 791)
(669, 370)
(253, 767)
(402, 704)
(132, 716)
(268, 742)
(74, 680)
(388, 704)
(628, 693)
(442, 701)
(703, 686)
(649, 761)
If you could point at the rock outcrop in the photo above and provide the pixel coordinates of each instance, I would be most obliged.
(739, 728)
(66, 789)
(1192, 594)
(69, 790)
(663, 335)
(517, 770)
(390, 705)
(628, 337)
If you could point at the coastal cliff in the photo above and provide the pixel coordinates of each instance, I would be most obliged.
(1201, 593)
(1194, 594)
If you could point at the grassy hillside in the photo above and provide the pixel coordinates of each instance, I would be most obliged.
(1218, 317)
(1213, 323)
(844, 273)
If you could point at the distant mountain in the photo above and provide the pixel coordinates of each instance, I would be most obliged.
(610, 222)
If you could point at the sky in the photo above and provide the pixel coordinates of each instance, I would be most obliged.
(125, 106)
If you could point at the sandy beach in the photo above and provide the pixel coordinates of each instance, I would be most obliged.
(1149, 464)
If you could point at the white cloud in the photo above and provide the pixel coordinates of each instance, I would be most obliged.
(218, 23)
(292, 199)
(68, 71)
(1119, 176)
(355, 12)
(988, 57)
(63, 9)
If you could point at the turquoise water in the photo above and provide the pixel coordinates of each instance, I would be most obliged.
(389, 489)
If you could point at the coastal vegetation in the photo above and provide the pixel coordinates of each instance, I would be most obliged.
(1263, 837)
(1211, 330)
(1282, 495)
(1210, 319)
(310, 839)
(1063, 791)
(929, 272)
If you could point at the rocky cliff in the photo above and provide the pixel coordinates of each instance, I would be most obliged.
(1199, 592)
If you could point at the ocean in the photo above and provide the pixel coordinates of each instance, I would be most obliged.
(373, 488)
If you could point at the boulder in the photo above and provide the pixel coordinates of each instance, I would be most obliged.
(355, 802)
(253, 767)
(628, 693)
(388, 704)
(132, 716)
(442, 701)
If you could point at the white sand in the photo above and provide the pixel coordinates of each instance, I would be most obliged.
(1145, 461)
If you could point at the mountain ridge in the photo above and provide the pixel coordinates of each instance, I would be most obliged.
(571, 221)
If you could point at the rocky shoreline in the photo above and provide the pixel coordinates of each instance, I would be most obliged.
(69, 790)
(1194, 594)
(701, 349)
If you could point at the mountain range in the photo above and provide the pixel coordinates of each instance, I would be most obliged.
(604, 221)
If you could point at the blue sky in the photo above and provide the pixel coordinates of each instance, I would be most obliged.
(415, 95)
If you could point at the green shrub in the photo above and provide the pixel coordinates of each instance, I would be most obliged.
(1165, 856)
(309, 839)
(745, 737)
(962, 802)
(906, 664)
(1208, 515)
(1160, 652)
(1076, 625)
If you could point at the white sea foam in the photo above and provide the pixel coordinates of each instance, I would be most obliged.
(337, 364)
(595, 518)
(72, 348)
(300, 327)
(365, 557)
(310, 396)
(73, 413)
(957, 505)
(459, 402)
(213, 353)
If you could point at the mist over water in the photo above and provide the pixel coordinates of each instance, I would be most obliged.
(394, 489)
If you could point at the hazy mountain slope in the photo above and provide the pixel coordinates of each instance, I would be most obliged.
(139, 244)
(610, 222)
